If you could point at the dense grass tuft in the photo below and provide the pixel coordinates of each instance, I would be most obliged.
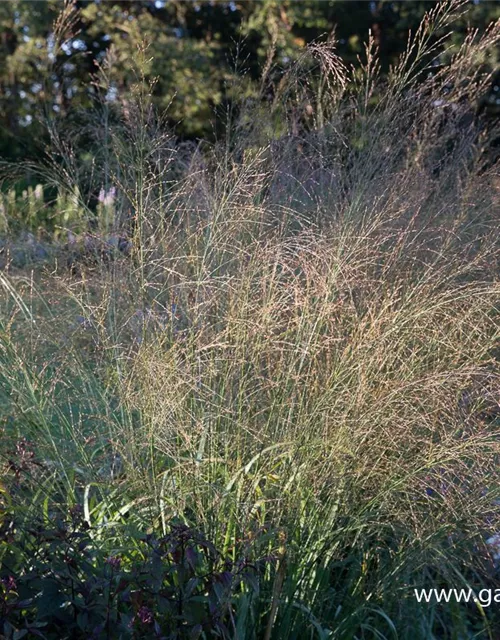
(288, 341)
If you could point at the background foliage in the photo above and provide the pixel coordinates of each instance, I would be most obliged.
(202, 54)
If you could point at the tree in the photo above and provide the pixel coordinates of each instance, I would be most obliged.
(203, 54)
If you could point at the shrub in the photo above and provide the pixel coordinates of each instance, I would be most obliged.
(57, 583)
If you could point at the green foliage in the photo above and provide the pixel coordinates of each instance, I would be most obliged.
(35, 209)
(177, 586)
(201, 54)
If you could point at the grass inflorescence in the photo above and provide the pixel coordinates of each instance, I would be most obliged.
(285, 345)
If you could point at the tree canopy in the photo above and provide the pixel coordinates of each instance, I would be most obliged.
(201, 55)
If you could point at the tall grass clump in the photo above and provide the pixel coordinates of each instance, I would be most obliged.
(287, 341)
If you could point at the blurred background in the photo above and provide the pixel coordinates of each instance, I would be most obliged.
(203, 56)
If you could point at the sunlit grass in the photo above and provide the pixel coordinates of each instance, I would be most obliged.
(299, 349)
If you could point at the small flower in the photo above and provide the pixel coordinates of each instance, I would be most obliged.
(108, 200)
(114, 562)
(107, 197)
(145, 615)
(9, 584)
